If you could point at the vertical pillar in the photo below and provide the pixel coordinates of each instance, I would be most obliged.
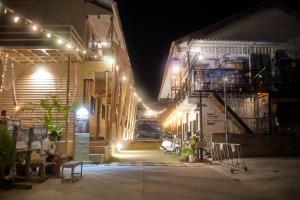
(106, 105)
(201, 125)
(67, 105)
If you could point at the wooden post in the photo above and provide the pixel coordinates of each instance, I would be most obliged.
(201, 124)
(67, 104)
(106, 104)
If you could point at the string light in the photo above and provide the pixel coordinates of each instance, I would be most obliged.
(16, 19)
(48, 35)
(59, 41)
(69, 46)
(84, 51)
(34, 28)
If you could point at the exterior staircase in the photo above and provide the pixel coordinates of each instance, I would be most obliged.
(217, 100)
(100, 151)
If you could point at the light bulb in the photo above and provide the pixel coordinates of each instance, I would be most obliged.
(48, 35)
(34, 28)
(84, 51)
(59, 41)
(16, 19)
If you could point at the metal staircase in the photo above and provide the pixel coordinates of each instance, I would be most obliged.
(217, 100)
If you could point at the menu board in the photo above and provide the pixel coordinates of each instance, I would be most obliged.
(22, 138)
(38, 135)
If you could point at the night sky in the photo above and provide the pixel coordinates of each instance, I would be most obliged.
(150, 26)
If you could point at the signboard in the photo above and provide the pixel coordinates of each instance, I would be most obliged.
(82, 146)
(38, 135)
(22, 138)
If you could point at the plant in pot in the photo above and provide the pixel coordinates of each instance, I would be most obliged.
(7, 152)
(189, 151)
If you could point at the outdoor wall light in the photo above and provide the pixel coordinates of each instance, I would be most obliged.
(82, 113)
(119, 146)
(175, 66)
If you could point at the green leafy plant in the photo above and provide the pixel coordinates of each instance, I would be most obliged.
(191, 148)
(54, 111)
(7, 150)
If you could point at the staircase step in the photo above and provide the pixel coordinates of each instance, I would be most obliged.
(97, 158)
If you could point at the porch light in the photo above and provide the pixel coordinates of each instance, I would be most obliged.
(175, 66)
(119, 146)
(16, 19)
(82, 113)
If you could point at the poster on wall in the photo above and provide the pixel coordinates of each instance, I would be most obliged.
(22, 138)
(38, 135)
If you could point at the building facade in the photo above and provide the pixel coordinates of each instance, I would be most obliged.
(230, 77)
(79, 55)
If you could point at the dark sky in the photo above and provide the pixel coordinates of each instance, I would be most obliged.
(151, 26)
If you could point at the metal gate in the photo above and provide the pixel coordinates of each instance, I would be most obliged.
(229, 155)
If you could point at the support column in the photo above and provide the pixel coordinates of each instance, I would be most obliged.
(67, 105)
(106, 105)
(201, 124)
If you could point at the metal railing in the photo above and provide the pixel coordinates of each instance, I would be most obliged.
(229, 155)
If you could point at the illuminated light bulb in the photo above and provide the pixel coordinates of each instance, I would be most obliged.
(109, 59)
(69, 46)
(77, 49)
(5, 11)
(124, 78)
(34, 28)
(17, 108)
(59, 41)
(175, 69)
(225, 79)
(84, 51)
(16, 19)
(200, 57)
(48, 35)
(95, 43)
(95, 56)
(117, 68)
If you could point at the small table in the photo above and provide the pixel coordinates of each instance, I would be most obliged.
(71, 165)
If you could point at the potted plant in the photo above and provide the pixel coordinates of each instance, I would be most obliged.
(7, 152)
(189, 151)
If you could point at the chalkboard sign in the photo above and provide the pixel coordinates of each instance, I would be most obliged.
(38, 135)
(22, 138)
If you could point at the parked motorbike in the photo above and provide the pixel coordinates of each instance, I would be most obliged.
(171, 145)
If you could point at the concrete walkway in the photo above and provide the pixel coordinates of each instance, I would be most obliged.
(141, 183)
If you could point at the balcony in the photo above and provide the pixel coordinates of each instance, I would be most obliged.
(26, 46)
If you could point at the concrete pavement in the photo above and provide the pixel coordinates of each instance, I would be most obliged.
(140, 183)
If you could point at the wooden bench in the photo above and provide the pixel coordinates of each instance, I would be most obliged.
(71, 165)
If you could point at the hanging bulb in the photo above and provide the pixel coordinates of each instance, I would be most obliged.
(69, 46)
(34, 27)
(16, 19)
(48, 35)
(84, 51)
(59, 41)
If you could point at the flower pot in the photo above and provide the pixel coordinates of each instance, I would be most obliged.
(192, 158)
